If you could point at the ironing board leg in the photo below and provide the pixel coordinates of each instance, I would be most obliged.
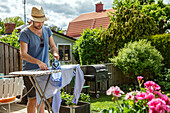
(39, 88)
(40, 93)
(44, 93)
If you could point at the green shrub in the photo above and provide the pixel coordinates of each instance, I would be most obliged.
(162, 44)
(88, 49)
(164, 80)
(139, 58)
(129, 87)
(11, 39)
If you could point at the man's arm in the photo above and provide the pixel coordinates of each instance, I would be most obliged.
(53, 48)
(28, 58)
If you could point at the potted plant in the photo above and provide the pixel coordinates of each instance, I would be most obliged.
(83, 106)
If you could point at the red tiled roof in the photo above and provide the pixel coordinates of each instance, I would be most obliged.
(88, 20)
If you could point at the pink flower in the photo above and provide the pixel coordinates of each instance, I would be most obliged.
(156, 101)
(167, 108)
(141, 96)
(109, 91)
(151, 86)
(157, 106)
(166, 99)
(158, 93)
(157, 87)
(139, 78)
(115, 91)
(130, 96)
(149, 96)
(151, 90)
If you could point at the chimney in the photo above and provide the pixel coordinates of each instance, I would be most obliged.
(99, 6)
(9, 27)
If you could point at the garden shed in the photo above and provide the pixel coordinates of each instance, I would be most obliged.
(64, 44)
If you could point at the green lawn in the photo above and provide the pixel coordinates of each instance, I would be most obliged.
(103, 102)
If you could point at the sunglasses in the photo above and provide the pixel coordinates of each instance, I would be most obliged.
(41, 42)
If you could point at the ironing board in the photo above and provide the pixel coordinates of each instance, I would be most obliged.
(32, 74)
(67, 75)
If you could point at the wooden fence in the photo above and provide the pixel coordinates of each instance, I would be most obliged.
(9, 59)
(117, 78)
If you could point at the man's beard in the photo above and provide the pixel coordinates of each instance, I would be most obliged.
(37, 27)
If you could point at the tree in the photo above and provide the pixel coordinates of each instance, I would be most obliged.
(117, 4)
(142, 2)
(161, 14)
(17, 20)
(159, 11)
(127, 25)
(55, 28)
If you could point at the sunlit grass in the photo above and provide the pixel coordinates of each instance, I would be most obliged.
(103, 102)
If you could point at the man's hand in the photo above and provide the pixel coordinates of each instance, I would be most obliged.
(55, 55)
(42, 65)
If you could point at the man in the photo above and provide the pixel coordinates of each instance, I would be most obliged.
(34, 42)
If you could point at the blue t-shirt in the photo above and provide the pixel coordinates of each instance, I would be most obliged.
(34, 48)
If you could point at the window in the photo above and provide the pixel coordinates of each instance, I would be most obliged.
(64, 52)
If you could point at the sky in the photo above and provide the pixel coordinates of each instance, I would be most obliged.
(61, 12)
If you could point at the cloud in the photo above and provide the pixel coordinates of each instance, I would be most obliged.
(4, 8)
(84, 6)
(61, 12)
(55, 7)
(62, 8)
(108, 3)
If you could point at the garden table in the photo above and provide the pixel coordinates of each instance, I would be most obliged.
(32, 74)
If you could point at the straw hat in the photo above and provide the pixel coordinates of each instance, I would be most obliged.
(37, 14)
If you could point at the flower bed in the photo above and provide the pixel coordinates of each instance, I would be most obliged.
(149, 99)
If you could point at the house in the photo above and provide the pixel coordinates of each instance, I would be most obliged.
(64, 44)
(89, 20)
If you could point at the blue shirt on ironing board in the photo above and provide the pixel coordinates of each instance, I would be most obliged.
(34, 48)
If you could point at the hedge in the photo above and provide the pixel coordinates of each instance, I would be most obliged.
(162, 44)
